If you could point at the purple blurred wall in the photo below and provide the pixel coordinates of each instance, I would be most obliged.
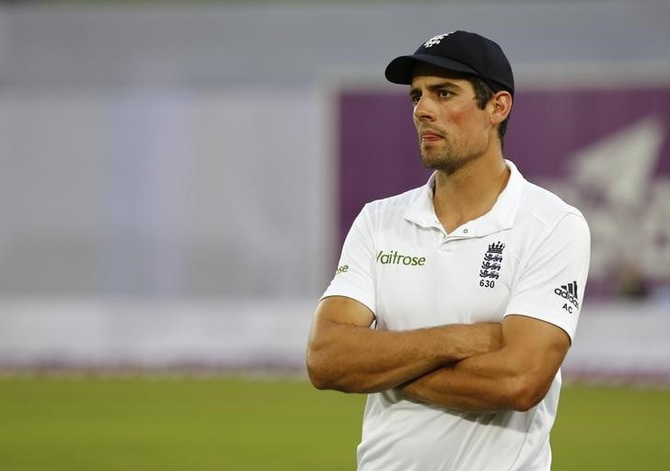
(604, 150)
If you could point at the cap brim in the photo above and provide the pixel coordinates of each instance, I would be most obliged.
(401, 69)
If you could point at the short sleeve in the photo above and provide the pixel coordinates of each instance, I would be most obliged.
(354, 276)
(551, 284)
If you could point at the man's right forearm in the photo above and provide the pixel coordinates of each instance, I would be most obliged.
(354, 358)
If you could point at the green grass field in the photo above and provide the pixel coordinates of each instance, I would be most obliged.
(140, 423)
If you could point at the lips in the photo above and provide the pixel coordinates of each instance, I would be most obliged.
(430, 136)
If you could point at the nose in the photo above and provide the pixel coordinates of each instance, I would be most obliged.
(424, 110)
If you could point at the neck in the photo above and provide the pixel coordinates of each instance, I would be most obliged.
(470, 192)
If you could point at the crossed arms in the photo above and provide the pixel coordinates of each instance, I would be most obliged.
(485, 367)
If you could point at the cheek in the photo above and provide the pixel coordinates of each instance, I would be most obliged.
(468, 120)
(463, 115)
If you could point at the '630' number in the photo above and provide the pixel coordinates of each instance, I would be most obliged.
(487, 283)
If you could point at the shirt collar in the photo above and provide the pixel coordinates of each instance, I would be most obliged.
(499, 218)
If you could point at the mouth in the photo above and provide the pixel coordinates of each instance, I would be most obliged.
(430, 136)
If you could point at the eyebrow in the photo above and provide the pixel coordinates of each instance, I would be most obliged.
(435, 87)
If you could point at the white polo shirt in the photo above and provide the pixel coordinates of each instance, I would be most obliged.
(528, 255)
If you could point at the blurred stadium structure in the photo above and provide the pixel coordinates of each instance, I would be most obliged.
(170, 188)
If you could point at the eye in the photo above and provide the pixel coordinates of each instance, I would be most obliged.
(415, 97)
(444, 93)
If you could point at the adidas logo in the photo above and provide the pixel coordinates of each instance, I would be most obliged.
(569, 292)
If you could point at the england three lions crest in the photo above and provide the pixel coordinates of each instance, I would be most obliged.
(489, 271)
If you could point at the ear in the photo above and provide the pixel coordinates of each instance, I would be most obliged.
(501, 106)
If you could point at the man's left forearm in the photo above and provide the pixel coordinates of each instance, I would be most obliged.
(515, 377)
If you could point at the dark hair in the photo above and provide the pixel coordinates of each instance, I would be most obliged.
(484, 91)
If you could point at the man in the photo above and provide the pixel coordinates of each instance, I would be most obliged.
(455, 303)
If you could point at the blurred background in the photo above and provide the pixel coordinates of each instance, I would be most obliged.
(176, 177)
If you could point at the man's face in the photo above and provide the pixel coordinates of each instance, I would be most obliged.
(452, 129)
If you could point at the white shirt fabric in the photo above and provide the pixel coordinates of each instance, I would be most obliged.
(528, 255)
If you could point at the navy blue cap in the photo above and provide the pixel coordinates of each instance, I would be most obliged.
(458, 51)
